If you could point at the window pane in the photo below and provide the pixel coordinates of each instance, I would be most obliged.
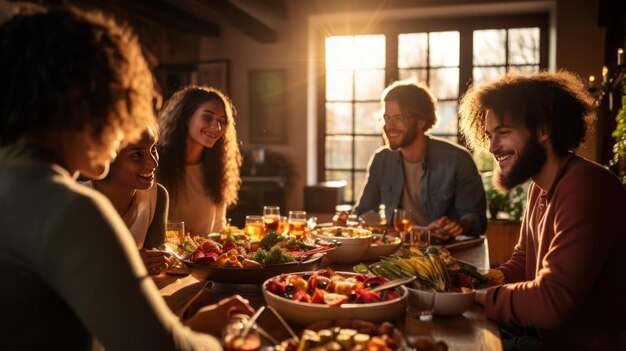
(342, 175)
(367, 114)
(524, 69)
(523, 45)
(359, 179)
(412, 49)
(365, 147)
(369, 84)
(487, 74)
(339, 52)
(369, 51)
(446, 111)
(339, 85)
(338, 117)
(338, 152)
(489, 47)
(444, 49)
(413, 75)
(444, 83)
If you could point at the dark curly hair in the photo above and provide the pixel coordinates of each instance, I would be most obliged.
(413, 100)
(66, 69)
(558, 102)
(220, 164)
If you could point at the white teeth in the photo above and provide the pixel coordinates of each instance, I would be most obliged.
(146, 174)
(501, 158)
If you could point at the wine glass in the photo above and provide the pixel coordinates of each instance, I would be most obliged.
(402, 224)
(271, 217)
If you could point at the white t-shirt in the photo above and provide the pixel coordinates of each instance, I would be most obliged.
(140, 214)
(194, 207)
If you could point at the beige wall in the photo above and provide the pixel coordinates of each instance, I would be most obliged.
(578, 44)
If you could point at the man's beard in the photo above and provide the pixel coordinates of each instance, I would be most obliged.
(409, 136)
(528, 164)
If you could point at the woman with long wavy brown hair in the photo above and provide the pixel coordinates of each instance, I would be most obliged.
(200, 157)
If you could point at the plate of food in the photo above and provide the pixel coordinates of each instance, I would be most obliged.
(307, 297)
(234, 261)
(348, 334)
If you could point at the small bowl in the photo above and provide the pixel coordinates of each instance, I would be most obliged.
(450, 303)
(375, 250)
(303, 314)
(355, 243)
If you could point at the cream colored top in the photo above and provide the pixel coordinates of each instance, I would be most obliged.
(140, 214)
(413, 172)
(194, 207)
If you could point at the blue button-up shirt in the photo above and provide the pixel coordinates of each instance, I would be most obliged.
(450, 186)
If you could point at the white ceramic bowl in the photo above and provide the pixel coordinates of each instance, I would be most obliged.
(450, 303)
(354, 243)
(303, 314)
(375, 250)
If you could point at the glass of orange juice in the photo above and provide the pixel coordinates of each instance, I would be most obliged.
(255, 228)
(271, 217)
(297, 222)
(402, 224)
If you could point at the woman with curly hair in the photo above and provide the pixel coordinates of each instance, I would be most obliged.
(200, 157)
(74, 87)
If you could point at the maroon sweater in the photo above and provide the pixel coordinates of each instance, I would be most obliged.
(567, 275)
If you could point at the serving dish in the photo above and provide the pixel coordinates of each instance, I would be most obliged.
(348, 333)
(355, 243)
(250, 275)
(304, 313)
(378, 248)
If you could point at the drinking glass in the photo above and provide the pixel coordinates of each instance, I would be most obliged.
(255, 227)
(175, 233)
(271, 217)
(421, 238)
(232, 338)
(402, 224)
(420, 304)
(297, 222)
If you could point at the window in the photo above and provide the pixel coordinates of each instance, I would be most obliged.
(355, 76)
(445, 56)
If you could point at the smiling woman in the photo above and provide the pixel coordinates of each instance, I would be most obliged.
(200, 157)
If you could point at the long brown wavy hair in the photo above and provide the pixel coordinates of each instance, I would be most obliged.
(220, 164)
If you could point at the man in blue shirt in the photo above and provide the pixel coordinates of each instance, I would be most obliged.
(444, 190)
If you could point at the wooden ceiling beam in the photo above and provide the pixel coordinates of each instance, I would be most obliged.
(170, 16)
(246, 23)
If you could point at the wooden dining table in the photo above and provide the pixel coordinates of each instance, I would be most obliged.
(469, 331)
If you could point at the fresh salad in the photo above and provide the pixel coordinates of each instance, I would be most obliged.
(239, 252)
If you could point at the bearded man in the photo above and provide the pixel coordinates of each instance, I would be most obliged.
(434, 178)
(566, 278)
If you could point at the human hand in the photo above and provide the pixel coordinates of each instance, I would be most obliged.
(445, 228)
(213, 318)
(157, 261)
